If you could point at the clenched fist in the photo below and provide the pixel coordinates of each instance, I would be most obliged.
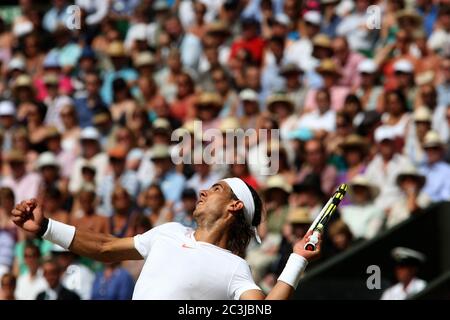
(308, 255)
(28, 216)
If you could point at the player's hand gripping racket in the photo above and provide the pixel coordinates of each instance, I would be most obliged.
(324, 216)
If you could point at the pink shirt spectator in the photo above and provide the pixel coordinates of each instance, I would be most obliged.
(350, 77)
(337, 93)
(65, 87)
(25, 188)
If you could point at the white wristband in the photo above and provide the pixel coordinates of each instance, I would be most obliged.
(293, 270)
(59, 233)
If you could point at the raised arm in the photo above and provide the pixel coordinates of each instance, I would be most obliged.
(106, 248)
(288, 280)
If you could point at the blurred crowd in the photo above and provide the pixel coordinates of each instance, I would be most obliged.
(87, 112)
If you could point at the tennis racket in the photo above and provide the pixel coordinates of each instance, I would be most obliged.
(324, 216)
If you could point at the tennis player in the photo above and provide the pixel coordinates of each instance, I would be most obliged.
(182, 263)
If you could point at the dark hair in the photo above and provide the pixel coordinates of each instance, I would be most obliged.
(241, 232)
(400, 96)
(53, 193)
(31, 245)
(6, 192)
(9, 276)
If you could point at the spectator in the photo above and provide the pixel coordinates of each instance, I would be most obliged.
(250, 108)
(157, 209)
(52, 205)
(123, 219)
(119, 175)
(321, 120)
(316, 163)
(55, 290)
(353, 27)
(91, 154)
(7, 123)
(295, 89)
(49, 170)
(56, 16)
(300, 52)
(384, 168)
(340, 236)
(89, 102)
(30, 283)
(24, 185)
(276, 199)
(308, 194)
(64, 158)
(435, 169)
(114, 283)
(355, 150)
(362, 216)
(330, 74)
(411, 182)
(86, 216)
(8, 286)
(75, 276)
(8, 232)
(369, 92)
(250, 40)
(185, 213)
(407, 266)
(416, 134)
(347, 61)
(122, 101)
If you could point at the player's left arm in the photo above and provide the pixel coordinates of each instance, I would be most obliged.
(283, 290)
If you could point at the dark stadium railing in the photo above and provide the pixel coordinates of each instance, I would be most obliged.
(345, 275)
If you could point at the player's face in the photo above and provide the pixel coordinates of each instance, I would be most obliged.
(213, 202)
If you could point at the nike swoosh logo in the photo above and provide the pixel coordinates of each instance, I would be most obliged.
(186, 246)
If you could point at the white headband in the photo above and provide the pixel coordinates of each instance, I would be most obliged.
(243, 193)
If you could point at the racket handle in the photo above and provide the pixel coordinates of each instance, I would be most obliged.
(311, 244)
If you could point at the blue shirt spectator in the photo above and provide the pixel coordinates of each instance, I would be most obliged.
(437, 186)
(114, 283)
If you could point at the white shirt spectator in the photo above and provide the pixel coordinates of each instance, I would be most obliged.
(384, 176)
(99, 161)
(28, 287)
(315, 121)
(78, 278)
(364, 221)
(398, 292)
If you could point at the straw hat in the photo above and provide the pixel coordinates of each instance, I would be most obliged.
(278, 182)
(290, 68)
(15, 155)
(328, 66)
(411, 172)
(362, 181)
(432, 139)
(160, 151)
(217, 27)
(279, 98)
(299, 216)
(323, 41)
(229, 123)
(409, 14)
(23, 81)
(144, 59)
(355, 141)
(116, 49)
(209, 98)
(422, 114)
